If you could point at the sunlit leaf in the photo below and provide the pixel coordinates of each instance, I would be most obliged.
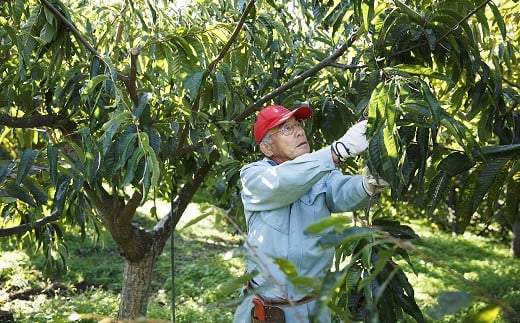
(322, 225)
(488, 314)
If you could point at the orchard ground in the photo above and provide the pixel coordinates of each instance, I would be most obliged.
(204, 261)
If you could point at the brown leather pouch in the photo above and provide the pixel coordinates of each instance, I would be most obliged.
(273, 314)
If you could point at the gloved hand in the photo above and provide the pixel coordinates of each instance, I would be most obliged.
(353, 142)
(372, 185)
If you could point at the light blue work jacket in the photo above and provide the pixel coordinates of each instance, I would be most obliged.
(280, 202)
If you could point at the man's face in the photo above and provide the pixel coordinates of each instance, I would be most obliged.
(286, 147)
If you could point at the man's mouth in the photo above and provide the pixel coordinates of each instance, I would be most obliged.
(302, 144)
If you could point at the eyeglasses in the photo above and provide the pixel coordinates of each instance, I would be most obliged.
(287, 129)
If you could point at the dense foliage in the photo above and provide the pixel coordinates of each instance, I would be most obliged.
(106, 105)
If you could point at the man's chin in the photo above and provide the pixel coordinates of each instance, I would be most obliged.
(302, 150)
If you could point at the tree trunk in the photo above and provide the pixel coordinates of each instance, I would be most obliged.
(515, 244)
(137, 279)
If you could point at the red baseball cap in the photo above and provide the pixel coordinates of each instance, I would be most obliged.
(274, 115)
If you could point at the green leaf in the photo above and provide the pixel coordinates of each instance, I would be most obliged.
(438, 190)
(419, 70)
(36, 191)
(512, 202)
(464, 206)
(125, 147)
(193, 81)
(408, 304)
(390, 166)
(143, 100)
(454, 164)
(92, 83)
(112, 126)
(287, 267)
(396, 229)
(151, 160)
(353, 276)
(18, 11)
(460, 132)
(333, 221)
(487, 178)
(131, 168)
(504, 150)
(20, 193)
(61, 193)
(383, 256)
(26, 162)
(413, 15)
(435, 109)
(410, 166)
(196, 220)
(230, 286)
(185, 47)
(496, 191)
(488, 314)
(5, 170)
(347, 235)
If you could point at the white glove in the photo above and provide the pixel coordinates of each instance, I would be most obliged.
(353, 142)
(372, 185)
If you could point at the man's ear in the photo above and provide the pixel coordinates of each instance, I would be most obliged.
(265, 148)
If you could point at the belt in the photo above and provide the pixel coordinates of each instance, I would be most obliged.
(280, 301)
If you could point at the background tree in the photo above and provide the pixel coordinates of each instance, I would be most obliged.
(105, 107)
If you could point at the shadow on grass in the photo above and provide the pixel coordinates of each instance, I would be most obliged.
(202, 264)
(484, 262)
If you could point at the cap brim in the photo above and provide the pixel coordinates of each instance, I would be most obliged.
(301, 113)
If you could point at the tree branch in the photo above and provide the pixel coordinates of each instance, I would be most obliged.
(34, 121)
(347, 66)
(329, 61)
(233, 37)
(511, 83)
(165, 226)
(23, 228)
(446, 34)
(195, 104)
(72, 28)
(130, 81)
(128, 211)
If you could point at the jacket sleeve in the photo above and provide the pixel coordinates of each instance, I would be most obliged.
(268, 187)
(345, 193)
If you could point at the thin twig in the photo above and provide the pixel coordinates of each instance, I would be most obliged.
(72, 28)
(446, 34)
(438, 263)
(329, 61)
(265, 267)
(195, 104)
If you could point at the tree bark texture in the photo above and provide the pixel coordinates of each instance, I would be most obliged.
(515, 244)
(137, 279)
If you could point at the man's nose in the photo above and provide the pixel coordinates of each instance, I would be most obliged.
(299, 131)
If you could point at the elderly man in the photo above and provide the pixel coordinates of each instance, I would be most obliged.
(285, 192)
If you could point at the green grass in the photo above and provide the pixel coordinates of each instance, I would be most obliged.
(484, 262)
(204, 262)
